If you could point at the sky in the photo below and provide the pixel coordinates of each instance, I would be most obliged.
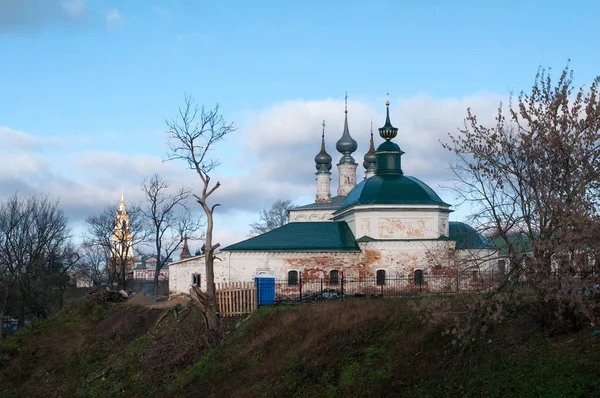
(86, 86)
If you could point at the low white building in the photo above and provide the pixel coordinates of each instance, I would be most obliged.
(389, 225)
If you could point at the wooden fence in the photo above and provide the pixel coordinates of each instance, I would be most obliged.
(236, 298)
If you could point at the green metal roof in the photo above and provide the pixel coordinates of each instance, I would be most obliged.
(467, 237)
(301, 236)
(521, 244)
(392, 189)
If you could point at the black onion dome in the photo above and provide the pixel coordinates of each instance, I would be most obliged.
(346, 145)
(323, 160)
(370, 159)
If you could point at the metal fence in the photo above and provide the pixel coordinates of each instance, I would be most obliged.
(300, 288)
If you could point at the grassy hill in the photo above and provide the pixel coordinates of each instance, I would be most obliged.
(340, 348)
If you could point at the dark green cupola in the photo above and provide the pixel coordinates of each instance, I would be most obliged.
(388, 153)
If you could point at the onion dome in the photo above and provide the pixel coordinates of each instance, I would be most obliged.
(388, 153)
(370, 160)
(346, 145)
(387, 132)
(323, 160)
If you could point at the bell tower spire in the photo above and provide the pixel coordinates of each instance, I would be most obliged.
(122, 205)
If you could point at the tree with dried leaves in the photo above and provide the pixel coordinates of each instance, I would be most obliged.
(116, 241)
(191, 137)
(535, 174)
(168, 220)
(36, 255)
(276, 216)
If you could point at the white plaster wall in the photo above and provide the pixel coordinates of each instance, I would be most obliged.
(401, 258)
(390, 223)
(396, 257)
(180, 274)
(310, 215)
(347, 178)
(483, 259)
(323, 188)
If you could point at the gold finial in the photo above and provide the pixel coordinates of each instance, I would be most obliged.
(371, 129)
(323, 129)
(122, 206)
(387, 99)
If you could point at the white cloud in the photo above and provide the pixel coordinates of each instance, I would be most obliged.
(75, 8)
(114, 19)
(277, 147)
(16, 140)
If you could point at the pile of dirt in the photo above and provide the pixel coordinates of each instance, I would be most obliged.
(140, 299)
(127, 324)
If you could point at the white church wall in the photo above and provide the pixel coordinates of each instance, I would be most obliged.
(310, 215)
(394, 224)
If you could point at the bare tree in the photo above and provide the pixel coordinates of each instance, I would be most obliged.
(191, 136)
(35, 256)
(169, 220)
(92, 264)
(535, 174)
(116, 241)
(274, 217)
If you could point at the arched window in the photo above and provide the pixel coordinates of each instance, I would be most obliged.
(292, 278)
(380, 277)
(196, 280)
(334, 277)
(418, 277)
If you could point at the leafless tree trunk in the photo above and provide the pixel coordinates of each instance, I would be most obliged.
(168, 218)
(190, 137)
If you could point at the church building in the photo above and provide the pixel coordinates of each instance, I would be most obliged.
(389, 225)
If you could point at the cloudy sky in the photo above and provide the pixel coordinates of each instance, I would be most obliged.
(85, 86)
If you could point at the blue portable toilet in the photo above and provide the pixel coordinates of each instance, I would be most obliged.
(265, 288)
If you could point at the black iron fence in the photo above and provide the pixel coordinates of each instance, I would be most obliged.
(301, 288)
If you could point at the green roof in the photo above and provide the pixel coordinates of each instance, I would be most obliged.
(520, 243)
(467, 237)
(302, 236)
(392, 189)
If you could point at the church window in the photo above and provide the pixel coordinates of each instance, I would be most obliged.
(334, 277)
(418, 277)
(380, 276)
(196, 280)
(292, 278)
(502, 266)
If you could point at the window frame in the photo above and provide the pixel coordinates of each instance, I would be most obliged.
(380, 277)
(293, 280)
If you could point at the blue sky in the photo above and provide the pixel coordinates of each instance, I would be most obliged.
(85, 86)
